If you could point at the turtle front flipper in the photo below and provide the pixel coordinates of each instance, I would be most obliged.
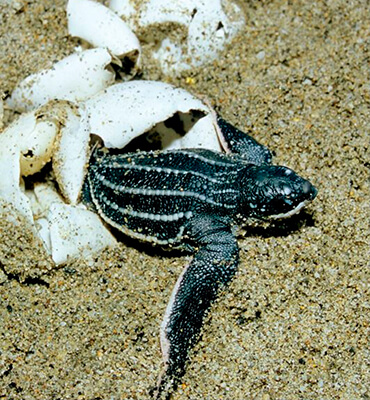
(211, 269)
(236, 141)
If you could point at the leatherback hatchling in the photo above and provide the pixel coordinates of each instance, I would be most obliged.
(192, 199)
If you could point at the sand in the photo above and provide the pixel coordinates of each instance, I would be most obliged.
(294, 323)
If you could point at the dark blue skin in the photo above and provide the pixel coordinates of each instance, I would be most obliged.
(209, 193)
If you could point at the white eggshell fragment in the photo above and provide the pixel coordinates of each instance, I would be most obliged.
(43, 229)
(101, 27)
(29, 141)
(76, 232)
(68, 232)
(172, 57)
(74, 78)
(59, 130)
(71, 151)
(126, 110)
(25, 147)
(201, 135)
(123, 8)
(42, 197)
(210, 25)
(210, 30)
(11, 195)
(161, 11)
(38, 149)
(1, 113)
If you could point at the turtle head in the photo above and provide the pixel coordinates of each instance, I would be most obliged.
(273, 192)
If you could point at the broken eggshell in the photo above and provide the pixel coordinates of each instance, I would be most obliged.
(162, 11)
(68, 232)
(101, 27)
(71, 149)
(25, 147)
(123, 8)
(211, 29)
(76, 232)
(75, 78)
(42, 196)
(1, 113)
(210, 26)
(55, 130)
(124, 111)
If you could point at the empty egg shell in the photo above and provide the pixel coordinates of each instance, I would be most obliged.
(211, 25)
(30, 141)
(201, 135)
(123, 8)
(75, 232)
(74, 78)
(25, 147)
(42, 197)
(126, 110)
(11, 196)
(162, 11)
(101, 27)
(71, 150)
(66, 230)
(38, 149)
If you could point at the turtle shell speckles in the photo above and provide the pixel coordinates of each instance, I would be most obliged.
(191, 199)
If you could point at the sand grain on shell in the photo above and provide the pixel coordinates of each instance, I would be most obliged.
(294, 323)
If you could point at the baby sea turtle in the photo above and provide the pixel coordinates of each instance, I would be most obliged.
(192, 199)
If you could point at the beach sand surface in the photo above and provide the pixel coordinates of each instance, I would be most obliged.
(294, 323)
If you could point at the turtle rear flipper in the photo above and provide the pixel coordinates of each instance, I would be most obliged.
(211, 269)
(233, 140)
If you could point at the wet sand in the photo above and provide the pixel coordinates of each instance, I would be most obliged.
(294, 323)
